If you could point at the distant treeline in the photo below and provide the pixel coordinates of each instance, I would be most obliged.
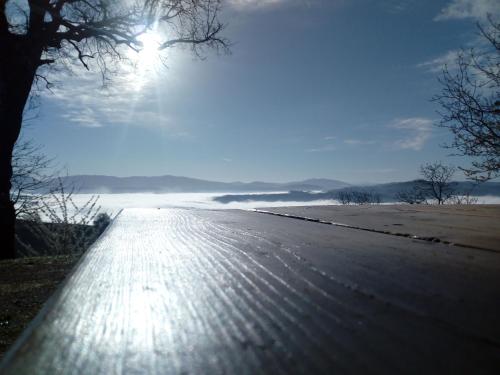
(374, 194)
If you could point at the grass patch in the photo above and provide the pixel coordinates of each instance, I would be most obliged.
(28, 281)
(25, 285)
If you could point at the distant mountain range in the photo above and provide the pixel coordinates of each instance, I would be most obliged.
(177, 184)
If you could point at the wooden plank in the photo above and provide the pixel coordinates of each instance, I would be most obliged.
(187, 291)
(469, 225)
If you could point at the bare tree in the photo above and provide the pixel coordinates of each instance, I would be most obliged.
(33, 173)
(37, 34)
(437, 183)
(50, 221)
(413, 195)
(344, 197)
(470, 105)
(358, 197)
(61, 225)
(465, 198)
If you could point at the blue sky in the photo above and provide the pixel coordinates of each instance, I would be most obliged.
(313, 88)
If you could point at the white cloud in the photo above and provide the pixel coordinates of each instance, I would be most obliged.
(357, 142)
(450, 60)
(134, 95)
(418, 130)
(398, 6)
(255, 5)
(437, 64)
(85, 117)
(476, 9)
(252, 4)
(327, 148)
(86, 103)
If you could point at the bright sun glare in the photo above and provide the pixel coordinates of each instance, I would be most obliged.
(146, 61)
(148, 56)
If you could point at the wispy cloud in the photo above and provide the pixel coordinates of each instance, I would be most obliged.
(327, 148)
(86, 103)
(478, 10)
(437, 64)
(398, 6)
(255, 4)
(85, 117)
(418, 131)
(475, 9)
(357, 142)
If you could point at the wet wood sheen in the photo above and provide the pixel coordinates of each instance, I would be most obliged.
(231, 292)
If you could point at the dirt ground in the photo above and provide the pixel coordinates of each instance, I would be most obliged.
(25, 285)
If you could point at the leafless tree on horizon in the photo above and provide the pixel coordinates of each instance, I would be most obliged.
(437, 181)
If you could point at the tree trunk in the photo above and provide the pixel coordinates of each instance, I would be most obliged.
(18, 65)
(7, 212)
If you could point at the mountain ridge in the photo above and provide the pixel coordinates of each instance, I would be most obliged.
(179, 184)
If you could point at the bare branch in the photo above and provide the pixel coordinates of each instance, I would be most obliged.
(470, 105)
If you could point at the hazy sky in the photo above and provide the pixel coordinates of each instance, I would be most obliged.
(313, 88)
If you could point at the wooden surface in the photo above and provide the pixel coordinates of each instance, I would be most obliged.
(210, 292)
(469, 225)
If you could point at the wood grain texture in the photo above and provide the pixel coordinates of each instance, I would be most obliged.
(210, 292)
(461, 224)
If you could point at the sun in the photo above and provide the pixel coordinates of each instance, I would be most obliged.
(148, 55)
(146, 60)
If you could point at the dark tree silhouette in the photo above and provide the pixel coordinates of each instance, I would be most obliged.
(413, 195)
(437, 183)
(348, 196)
(470, 105)
(40, 33)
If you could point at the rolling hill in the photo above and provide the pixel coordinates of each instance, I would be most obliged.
(178, 184)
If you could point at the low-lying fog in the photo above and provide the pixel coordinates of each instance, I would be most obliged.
(113, 203)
